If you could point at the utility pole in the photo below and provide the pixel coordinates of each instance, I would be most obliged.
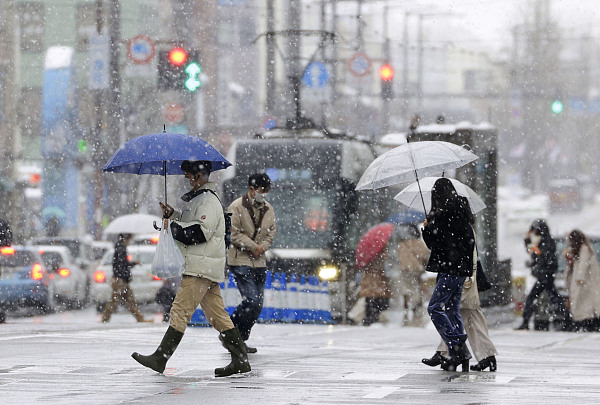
(294, 52)
(335, 53)
(405, 93)
(387, 56)
(10, 139)
(270, 62)
(98, 145)
(115, 113)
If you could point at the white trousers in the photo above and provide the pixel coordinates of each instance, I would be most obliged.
(477, 334)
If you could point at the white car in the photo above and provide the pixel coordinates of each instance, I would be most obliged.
(143, 284)
(70, 281)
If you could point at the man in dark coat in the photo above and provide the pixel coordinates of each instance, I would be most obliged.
(544, 264)
(121, 292)
(5, 233)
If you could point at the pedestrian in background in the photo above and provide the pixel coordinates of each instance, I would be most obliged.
(413, 255)
(583, 282)
(199, 229)
(121, 291)
(375, 289)
(253, 230)
(544, 265)
(449, 236)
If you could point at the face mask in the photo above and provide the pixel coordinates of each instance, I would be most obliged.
(260, 197)
(535, 239)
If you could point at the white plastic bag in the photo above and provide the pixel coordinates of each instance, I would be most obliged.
(168, 261)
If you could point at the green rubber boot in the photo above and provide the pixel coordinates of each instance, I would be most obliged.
(157, 361)
(232, 340)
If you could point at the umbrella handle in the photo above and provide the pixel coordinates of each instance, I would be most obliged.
(156, 227)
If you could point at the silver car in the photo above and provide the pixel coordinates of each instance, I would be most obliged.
(143, 284)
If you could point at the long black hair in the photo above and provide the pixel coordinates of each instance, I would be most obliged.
(443, 195)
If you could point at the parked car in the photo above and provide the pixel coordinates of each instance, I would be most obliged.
(24, 281)
(80, 248)
(564, 195)
(143, 284)
(70, 281)
(145, 239)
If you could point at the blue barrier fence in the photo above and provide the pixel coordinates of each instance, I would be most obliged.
(293, 299)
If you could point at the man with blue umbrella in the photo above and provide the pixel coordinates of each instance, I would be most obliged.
(199, 229)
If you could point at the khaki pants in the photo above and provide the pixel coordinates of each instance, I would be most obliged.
(194, 291)
(121, 294)
(477, 334)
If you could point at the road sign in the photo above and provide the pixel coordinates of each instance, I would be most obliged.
(140, 49)
(359, 64)
(98, 53)
(316, 75)
(173, 112)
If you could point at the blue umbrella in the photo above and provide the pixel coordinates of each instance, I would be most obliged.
(163, 154)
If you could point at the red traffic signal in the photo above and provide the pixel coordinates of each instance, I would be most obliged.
(178, 56)
(386, 72)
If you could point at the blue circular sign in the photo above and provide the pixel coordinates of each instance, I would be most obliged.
(315, 75)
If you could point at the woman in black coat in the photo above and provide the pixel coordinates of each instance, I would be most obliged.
(450, 237)
(544, 265)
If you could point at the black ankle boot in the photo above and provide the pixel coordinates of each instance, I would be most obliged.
(434, 361)
(461, 356)
(239, 357)
(485, 363)
(157, 361)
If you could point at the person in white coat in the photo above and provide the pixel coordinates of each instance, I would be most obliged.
(583, 282)
(199, 229)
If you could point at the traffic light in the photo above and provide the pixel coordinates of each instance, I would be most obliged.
(179, 69)
(557, 107)
(386, 74)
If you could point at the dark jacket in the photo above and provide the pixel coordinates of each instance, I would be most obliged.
(450, 237)
(121, 266)
(544, 263)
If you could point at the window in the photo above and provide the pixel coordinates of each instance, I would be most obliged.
(31, 24)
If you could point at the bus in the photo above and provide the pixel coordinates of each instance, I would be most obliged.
(320, 217)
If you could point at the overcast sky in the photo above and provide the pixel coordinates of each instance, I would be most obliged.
(485, 24)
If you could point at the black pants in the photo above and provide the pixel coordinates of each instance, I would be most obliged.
(374, 306)
(545, 284)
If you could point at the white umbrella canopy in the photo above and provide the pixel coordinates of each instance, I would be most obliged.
(133, 223)
(412, 161)
(411, 195)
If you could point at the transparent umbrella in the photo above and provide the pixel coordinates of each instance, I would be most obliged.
(413, 196)
(412, 161)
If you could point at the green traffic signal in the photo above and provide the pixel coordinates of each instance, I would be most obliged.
(82, 145)
(192, 82)
(557, 107)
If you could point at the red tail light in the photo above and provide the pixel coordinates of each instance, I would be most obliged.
(64, 272)
(37, 273)
(7, 251)
(154, 239)
(129, 258)
(156, 278)
(99, 276)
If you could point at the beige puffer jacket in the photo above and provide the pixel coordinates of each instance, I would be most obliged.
(204, 259)
(242, 231)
